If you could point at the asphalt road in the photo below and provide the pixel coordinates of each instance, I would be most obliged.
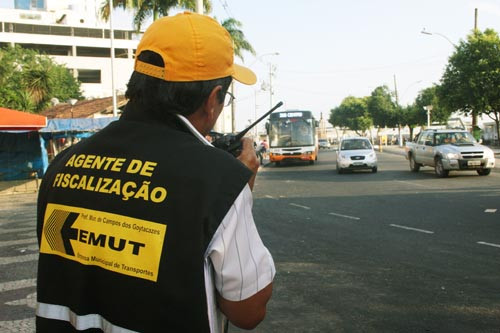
(393, 251)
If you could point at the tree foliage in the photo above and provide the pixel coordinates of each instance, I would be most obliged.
(382, 108)
(427, 97)
(353, 114)
(28, 80)
(155, 8)
(240, 43)
(471, 81)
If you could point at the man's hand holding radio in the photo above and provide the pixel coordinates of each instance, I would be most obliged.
(249, 158)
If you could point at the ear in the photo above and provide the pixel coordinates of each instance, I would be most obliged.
(212, 103)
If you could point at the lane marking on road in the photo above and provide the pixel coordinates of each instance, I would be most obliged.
(31, 247)
(19, 284)
(12, 260)
(489, 244)
(410, 228)
(8, 231)
(412, 183)
(19, 241)
(270, 197)
(490, 210)
(30, 301)
(300, 206)
(345, 216)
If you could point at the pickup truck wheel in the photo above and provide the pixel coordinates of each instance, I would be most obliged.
(483, 172)
(414, 166)
(439, 169)
(339, 170)
(374, 169)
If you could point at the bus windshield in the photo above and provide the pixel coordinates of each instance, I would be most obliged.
(291, 132)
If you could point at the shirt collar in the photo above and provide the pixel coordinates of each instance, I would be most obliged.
(193, 130)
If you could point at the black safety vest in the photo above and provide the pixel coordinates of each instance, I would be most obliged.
(124, 220)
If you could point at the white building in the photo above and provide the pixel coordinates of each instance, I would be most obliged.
(72, 33)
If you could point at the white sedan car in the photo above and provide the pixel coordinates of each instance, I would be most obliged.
(356, 154)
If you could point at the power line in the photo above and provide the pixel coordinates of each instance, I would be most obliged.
(226, 8)
(417, 62)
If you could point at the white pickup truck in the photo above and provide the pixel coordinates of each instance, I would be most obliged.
(447, 150)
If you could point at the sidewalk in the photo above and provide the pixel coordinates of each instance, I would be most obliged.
(19, 186)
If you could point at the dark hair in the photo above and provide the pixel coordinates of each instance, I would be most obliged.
(162, 97)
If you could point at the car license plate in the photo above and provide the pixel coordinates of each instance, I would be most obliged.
(473, 163)
(358, 163)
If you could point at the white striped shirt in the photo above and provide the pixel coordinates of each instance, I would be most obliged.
(237, 263)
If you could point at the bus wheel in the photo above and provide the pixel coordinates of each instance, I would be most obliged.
(311, 162)
(278, 163)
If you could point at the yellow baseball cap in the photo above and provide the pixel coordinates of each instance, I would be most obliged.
(194, 47)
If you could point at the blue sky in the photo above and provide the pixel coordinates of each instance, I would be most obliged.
(330, 49)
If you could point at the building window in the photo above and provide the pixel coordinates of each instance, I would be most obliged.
(29, 4)
(121, 53)
(83, 51)
(89, 75)
(57, 50)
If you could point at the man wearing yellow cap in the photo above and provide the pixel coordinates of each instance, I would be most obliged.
(145, 226)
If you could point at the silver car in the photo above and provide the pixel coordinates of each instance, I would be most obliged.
(356, 154)
(324, 143)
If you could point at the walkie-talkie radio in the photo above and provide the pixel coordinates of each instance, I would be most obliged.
(232, 142)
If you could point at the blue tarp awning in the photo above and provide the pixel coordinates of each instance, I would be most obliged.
(77, 124)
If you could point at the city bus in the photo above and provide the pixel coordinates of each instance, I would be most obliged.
(292, 136)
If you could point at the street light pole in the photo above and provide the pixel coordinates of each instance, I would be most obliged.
(428, 108)
(270, 85)
(437, 33)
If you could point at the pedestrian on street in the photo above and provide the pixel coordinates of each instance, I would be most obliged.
(145, 226)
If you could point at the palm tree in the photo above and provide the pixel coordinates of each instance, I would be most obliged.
(38, 81)
(240, 44)
(146, 8)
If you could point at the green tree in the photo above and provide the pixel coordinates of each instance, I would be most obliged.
(240, 43)
(352, 114)
(382, 108)
(28, 80)
(156, 8)
(471, 81)
(429, 96)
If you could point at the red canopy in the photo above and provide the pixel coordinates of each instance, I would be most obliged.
(12, 120)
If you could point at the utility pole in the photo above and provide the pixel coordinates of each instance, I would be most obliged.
(199, 6)
(398, 110)
(474, 112)
(233, 111)
(112, 38)
(475, 19)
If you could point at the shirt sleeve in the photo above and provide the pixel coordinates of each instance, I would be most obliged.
(242, 265)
